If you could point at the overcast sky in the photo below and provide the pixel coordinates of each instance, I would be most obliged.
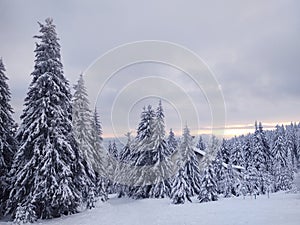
(251, 47)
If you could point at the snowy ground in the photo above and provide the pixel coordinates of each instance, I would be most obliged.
(280, 208)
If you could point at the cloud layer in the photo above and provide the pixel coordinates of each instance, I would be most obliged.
(253, 48)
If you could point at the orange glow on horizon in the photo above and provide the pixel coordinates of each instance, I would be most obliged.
(228, 132)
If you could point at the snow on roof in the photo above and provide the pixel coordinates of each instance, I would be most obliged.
(238, 167)
(203, 153)
(233, 166)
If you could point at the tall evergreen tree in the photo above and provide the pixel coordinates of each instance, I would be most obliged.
(247, 151)
(112, 149)
(237, 155)
(96, 136)
(252, 180)
(125, 153)
(142, 159)
(124, 168)
(262, 158)
(208, 191)
(115, 151)
(47, 170)
(211, 150)
(190, 162)
(180, 188)
(112, 167)
(291, 142)
(100, 157)
(297, 151)
(81, 120)
(162, 166)
(97, 127)
(7, 141)
(229, 180)
(225, 151)
(219, 170)
(172, 142)
(282, 165)
(201, 145)
(279, 150)
(150, 157)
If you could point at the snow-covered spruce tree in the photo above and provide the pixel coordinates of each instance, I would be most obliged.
(247, 151)
(222, 158)
(279, 150)
(123, 168)
(252, 180)
(141, 157)
(112, 155)
(180, 188)
(201, 145)
(25, 214)
(231, 181)
(81, 120)
(97, 139)
(297, 145)
(227, 182)
(291, 167)
(162, 166)
(100, 157)
(125, 153)
(262, 158)
(114, 151)
(225, 151)
(47, 171)
(237, 155)
(97, 127)
(102, 188)
(291, 143)
(282, 165)
(172, 142)
(211, 149)
(91, 199)
(250, 172)
(190, 162)
(238, 160)
(219, 170)
(208, 190)
(7, 141)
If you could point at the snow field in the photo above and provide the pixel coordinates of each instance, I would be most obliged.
(279, 209)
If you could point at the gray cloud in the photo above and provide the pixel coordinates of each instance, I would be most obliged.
(253, 47)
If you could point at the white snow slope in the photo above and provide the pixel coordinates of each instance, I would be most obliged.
(279, 209)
